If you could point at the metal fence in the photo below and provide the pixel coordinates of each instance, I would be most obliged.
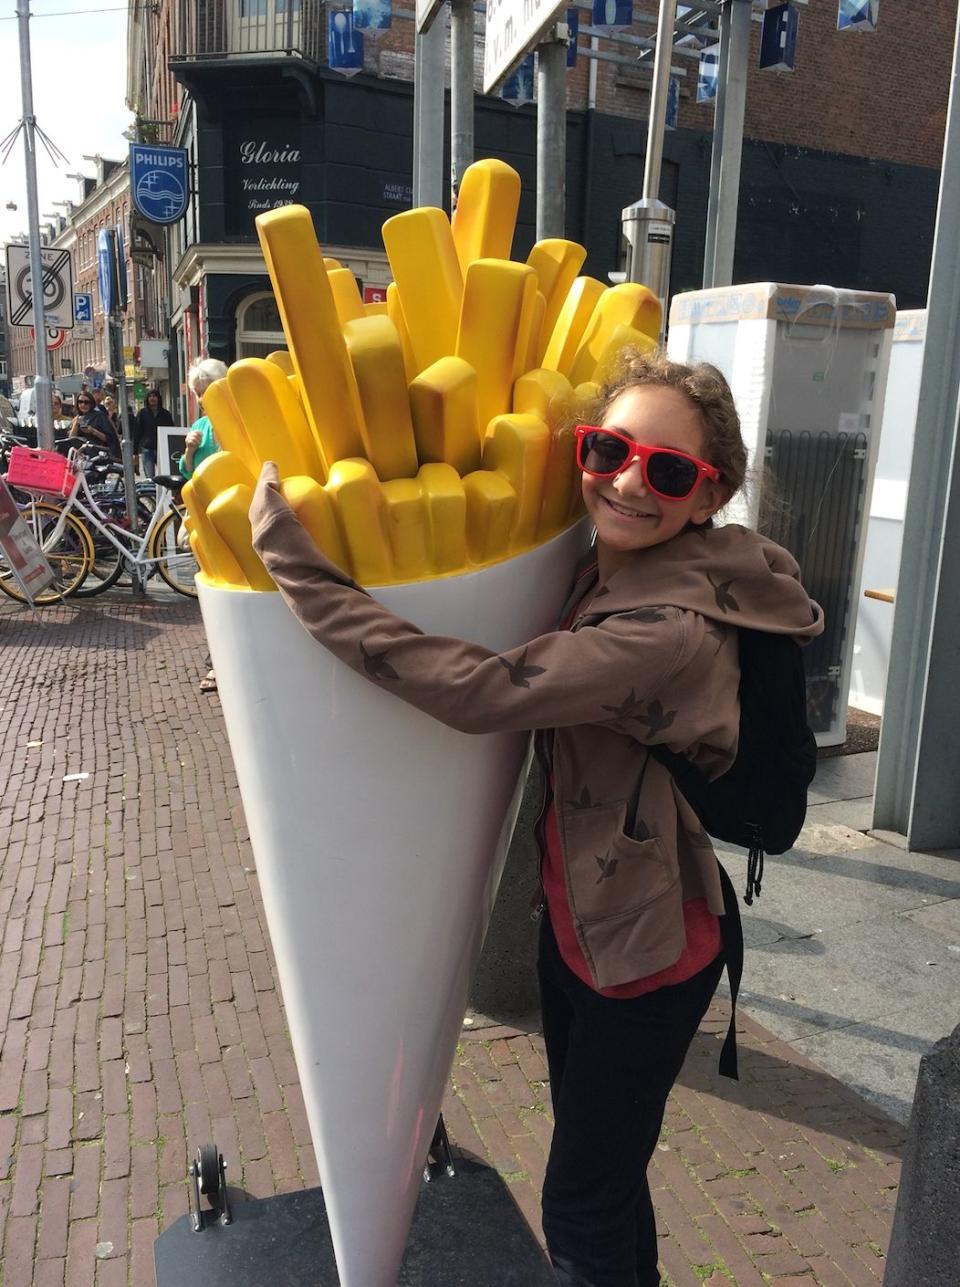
(217, 29)
(822, 478)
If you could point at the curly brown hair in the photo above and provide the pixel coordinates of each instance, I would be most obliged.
(705, 387)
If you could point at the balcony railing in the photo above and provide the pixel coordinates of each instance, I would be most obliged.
(245, 29)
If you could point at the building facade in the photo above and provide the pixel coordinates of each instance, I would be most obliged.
(103, 201)
(840, 157)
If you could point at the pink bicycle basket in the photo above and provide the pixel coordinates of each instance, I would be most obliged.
(46, 472)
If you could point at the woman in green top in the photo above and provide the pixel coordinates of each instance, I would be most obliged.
(201, 442)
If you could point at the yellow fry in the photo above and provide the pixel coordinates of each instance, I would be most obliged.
(423, 259)
(346, 295)
(443, 403)
(395, 313)
(305, 300)
(229, 515)
(316, 511)
(556, 263)
(446, 507)
(408, 528)
(561, 348)
(628, 304)
(228, 426)
(491, 515)
(273, 416)
(486, 213)
(213, 554)
(356, 492)
(282, 359)
(518, 446)
(499, 305)
(377, 356)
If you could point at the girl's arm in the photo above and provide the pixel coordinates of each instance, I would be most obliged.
(613, 673)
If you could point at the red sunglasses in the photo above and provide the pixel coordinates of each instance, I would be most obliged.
(669, 474)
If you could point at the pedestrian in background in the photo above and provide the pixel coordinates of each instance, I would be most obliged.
(201, 441)
(92, 424)
(151, 416)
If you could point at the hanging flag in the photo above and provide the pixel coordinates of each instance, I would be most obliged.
(778, 38)
(372, 15)
(518, 87)
(573, 25)
(672, 118)
(709, 74)
(613, 13)
(858, 15)
(344, 42)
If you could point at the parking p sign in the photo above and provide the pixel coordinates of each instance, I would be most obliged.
(83, 316)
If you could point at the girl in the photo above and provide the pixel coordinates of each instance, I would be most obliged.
(92, 424)
(631, 943)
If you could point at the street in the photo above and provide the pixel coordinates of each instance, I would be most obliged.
(143, 1016)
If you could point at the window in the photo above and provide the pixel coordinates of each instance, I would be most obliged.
(259, 331)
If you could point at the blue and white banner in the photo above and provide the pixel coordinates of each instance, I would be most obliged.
(573, 24)
(708, 76)
(613, 13)
(672, 118)
(858, 15)
(372, 15)
(778, 39)
(518, 87)
(159, 182)
(344, 42)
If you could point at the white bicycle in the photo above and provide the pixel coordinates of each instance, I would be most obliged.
(86, 537)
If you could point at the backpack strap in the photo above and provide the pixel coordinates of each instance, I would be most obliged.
(731, 932)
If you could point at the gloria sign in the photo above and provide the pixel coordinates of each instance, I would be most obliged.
(512, 28)
(158, 182)
(264, 170)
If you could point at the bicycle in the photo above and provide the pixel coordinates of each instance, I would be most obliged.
(72, 531)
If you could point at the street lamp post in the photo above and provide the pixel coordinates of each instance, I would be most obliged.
(43, 402)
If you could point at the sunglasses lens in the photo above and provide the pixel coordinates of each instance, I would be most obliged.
(671, 474)
(602, 453)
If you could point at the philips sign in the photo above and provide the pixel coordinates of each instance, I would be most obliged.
(158, 182)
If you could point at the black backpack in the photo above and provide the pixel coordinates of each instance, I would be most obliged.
(761, 801)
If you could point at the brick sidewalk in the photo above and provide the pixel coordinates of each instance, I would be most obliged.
(141, 1014)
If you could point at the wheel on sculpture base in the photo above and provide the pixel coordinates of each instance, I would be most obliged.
(207, 1176)
(208, 1169)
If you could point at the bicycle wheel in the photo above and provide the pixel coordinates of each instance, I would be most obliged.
(70, 556)
(108, 563)
(175, 559)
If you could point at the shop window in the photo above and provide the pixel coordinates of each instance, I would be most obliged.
(259, 330)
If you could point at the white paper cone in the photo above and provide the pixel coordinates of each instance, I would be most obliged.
(379, 837)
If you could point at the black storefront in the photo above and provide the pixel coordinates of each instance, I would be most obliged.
(270, 133)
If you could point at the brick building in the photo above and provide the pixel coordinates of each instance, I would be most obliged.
(840, 157)
(103, 201)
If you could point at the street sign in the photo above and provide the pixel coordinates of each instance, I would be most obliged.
(158, 182)
(55, 336)
(427, 10)
(83, 316)
(24, 557)
(57, 287)
(511, 31)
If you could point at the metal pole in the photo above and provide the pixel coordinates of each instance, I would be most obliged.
(731, 143)
(43, 401)
(115, 325)
(716, 152)
(916, 791)
(662, 60)
(461, 92)
(551, 138)
(429, 49)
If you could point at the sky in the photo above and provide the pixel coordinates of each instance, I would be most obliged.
(79, 81)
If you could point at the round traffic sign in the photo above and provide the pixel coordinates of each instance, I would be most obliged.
(53, 288)
(55, 336)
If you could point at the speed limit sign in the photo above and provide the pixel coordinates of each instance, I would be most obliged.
(56, 336)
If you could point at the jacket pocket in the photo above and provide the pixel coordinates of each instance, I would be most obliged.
(611, 874)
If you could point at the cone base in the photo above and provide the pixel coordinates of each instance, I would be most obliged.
(466, 1229)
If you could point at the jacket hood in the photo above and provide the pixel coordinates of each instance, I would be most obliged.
(729, 574)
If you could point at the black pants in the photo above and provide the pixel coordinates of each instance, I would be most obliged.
(612, 1064)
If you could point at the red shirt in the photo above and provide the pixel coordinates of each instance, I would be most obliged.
(701, 926)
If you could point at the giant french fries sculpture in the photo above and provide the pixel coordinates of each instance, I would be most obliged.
(428, 450)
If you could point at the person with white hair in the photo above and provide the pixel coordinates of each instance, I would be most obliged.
(201, 441)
